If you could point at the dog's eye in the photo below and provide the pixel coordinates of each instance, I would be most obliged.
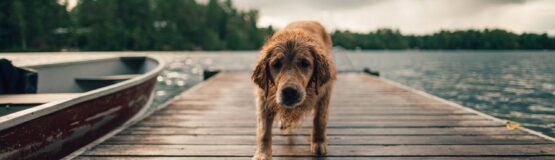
(276, 64)
(304, 63)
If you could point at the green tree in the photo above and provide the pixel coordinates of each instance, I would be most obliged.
(491, 39)
(30, 25)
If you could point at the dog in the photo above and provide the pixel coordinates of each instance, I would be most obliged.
(294, 77)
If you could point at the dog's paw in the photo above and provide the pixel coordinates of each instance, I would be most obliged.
(319, 148)
(260, 156)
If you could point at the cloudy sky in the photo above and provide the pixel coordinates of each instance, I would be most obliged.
(410, 16)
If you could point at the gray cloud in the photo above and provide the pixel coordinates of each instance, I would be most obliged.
(308, 4)
(503, 1)
(410, 16)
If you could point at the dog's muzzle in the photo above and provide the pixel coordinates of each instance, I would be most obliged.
(290, 97)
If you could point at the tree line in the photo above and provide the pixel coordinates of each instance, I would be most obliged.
(116, 25)
(487, 39)
(119, 25)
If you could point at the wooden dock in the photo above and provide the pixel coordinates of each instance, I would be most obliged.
(370, 118)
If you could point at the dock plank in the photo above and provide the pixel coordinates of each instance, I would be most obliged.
(332, 131)
(333, 150)
(334, 140)
(332, 118)
(327, 158)
(369, 118)
(351, 124)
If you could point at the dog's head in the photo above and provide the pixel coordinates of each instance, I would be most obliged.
(291, 66)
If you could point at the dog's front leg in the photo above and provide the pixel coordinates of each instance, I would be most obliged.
(264, 120)
(319, 136)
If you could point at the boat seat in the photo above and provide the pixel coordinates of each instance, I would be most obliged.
(92, 83)
(35, 98)
(121, 77)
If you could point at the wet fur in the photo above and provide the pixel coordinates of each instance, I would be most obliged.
(296, 37)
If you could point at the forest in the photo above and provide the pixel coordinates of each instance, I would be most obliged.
(174, 25)
(487, 39)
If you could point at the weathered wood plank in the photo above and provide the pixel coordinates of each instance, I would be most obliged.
(331, 118)
(359, 117)
(332, 131)
(333, 150)
(236, 107)
(361, 124)
(327, 158)
(334, 124)
(333, 140)
(331, 114)
(336, 111)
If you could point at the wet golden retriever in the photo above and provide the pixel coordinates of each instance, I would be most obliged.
(294, 75)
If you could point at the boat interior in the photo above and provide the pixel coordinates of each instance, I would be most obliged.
(41, 84)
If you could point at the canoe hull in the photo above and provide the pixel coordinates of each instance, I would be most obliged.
(75, 126)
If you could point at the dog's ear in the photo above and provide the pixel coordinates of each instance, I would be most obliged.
(321, 73)
(261, 74)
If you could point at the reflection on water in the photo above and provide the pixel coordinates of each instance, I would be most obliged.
(184, 71)
(519, 86)
(180, 74)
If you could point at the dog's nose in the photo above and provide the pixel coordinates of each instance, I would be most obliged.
(290, 96)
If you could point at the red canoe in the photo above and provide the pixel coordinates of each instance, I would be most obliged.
(76, 104)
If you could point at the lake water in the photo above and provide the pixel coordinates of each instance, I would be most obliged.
(516, 85)
(512, 85)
